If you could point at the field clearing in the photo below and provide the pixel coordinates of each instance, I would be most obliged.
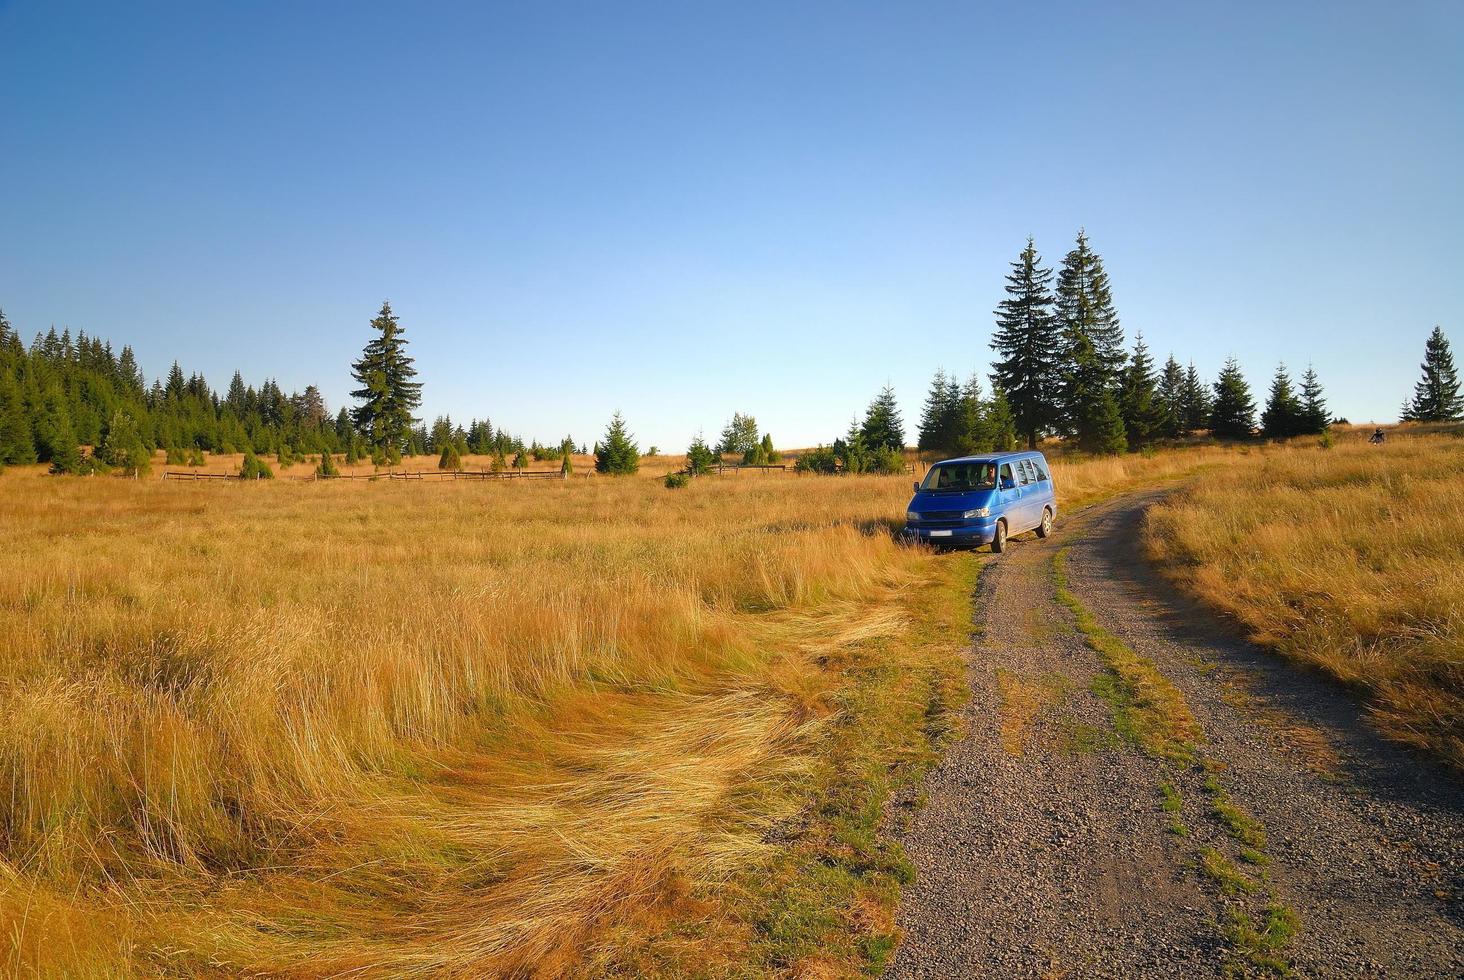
(464, 729)
(1350, 560)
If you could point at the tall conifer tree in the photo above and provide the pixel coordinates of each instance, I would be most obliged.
(1282, 416)
(1091, 337)
(1314, 415)
(1436, 397)
(1027, 346)
(883, 427)
(1142, 416)
(388, 394)
(1171, 399)
(1233, 415)
(617, 453)
(1195, 400)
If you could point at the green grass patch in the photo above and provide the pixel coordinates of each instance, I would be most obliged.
(1261, 947)
(1221, 870)
(1148, 710)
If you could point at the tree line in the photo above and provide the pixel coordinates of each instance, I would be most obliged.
(63, 393)
(1061, 369)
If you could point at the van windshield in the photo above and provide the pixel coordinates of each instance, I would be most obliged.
(961, 476)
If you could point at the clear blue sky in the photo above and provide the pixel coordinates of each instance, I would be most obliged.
(684, 209)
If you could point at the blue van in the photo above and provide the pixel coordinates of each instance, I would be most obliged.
(978, 500)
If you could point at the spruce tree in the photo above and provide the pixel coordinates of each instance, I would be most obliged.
(326, 468)
(1436, 397)
(1233, 414)
(66, 454)
(254, 468)
(1315, 419)
(1028, 346)
(942, 417)
(617, 453)
(1281, 418)
(1104, 431)
(1171, 399)
(1195, 402)
(973, 433)
(450, 459)
(1142, 416)
(1091, 338)
(17, 443)
(883, 428)
(1001, 424)
(770, 455)
(123, 447)
(699, 457)
(388, 394)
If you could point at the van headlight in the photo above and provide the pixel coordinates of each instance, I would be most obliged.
(978, 512)
(911, 517)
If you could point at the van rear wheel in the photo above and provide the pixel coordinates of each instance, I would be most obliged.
(1045, 528)
(999, 540)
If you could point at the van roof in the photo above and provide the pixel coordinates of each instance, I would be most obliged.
(990, 457)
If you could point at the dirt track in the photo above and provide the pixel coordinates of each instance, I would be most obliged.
(1044, 849)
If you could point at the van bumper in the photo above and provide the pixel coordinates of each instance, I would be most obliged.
(966, 534)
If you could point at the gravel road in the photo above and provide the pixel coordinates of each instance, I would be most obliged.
(1044, 849)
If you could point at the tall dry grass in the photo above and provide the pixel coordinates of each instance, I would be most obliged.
(1350, 559)
(420, 729)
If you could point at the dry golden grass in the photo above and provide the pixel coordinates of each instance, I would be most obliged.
(455, 729)
(1349, 559)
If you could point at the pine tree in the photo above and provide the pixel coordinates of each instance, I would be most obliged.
(388, 394)
(566, 457)
(17, 443)
(1001, 424)
(1315, 419)
(1195, 402)
(254, 468)
(1233, 415)
(883, 428)
(1436, 397)
(769, 454)
(973, 433)
(1282, 416)
(123, 447)
(941, 418)
(326, 469)
(1090, 336)
(1104, 432)
(1171, 399)
(65, 453)
(852, 451)
(1142, 416)
(617, 453)
(699, 457)
(1028, 346)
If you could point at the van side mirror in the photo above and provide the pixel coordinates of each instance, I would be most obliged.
(916, 486)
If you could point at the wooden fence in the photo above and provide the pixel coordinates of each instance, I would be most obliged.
(389, 475)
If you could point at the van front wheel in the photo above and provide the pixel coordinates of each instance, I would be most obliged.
(999, 540)
(1045, 528)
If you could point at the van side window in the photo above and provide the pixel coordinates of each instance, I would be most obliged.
(1024, 473)
(1041, 473)
(1006, 475)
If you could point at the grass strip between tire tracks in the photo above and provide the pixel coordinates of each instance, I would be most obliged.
(1151, 713)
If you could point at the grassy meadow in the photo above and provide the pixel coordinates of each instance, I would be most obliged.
(588, 726)
(1350, 559)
